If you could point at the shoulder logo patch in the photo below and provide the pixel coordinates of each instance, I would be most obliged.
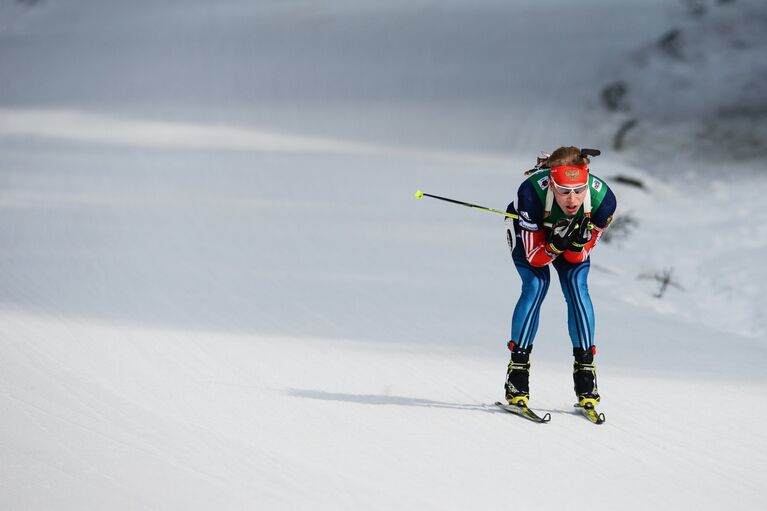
(543, 182)
(596, 184)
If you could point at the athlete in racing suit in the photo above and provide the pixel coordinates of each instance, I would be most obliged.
(563, 211)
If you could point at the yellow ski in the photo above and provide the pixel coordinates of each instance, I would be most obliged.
(591, 413)
(523, 411)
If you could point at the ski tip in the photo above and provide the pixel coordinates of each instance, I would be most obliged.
(591, 413)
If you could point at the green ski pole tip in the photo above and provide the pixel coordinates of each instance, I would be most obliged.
(418, 194)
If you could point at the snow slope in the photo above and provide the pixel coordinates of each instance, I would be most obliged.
(217, 289)
(697, 87)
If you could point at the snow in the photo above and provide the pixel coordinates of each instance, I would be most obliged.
(218, 291)
(698, 87)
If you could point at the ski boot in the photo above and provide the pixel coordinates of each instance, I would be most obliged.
(518, 376)
(585, 377)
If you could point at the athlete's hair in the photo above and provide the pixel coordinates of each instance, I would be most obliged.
(567, 156)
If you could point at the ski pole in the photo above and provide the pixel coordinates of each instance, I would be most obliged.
(419, 195)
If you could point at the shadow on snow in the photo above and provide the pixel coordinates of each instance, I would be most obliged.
(378, 399)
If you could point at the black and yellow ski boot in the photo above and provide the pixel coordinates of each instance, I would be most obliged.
(585, 377)
(518, 376)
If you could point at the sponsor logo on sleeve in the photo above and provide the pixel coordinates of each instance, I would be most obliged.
(528, 225)
(525, 215)
(543, 182)
(596, 184)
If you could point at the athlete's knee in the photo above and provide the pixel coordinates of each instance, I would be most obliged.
(534, 284)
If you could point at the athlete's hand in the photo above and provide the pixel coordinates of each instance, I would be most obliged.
(581, 235)
(559, 237)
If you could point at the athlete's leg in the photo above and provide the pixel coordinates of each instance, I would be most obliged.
(580, 311)
(535, 284)
(580, 323)
(524, 325)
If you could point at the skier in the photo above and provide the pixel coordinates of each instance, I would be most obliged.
(563, 211)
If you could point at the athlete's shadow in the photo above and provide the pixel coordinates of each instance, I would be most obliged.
(378, 399)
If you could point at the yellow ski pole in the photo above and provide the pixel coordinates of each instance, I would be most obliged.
(419, 195)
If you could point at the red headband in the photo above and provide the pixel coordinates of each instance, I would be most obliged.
(570, 175)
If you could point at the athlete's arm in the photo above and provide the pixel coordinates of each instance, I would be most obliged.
(536, 250)
(601, 218)
(530, 221)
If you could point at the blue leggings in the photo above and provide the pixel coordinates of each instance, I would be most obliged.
(535, 284)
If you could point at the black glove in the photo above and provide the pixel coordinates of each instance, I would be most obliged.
(559, 237)
(581, 236)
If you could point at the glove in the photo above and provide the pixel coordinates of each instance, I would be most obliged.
(581, 236)
(559, 237)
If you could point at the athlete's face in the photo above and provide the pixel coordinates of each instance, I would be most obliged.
(570, 202)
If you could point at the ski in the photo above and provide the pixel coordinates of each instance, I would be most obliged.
(591, 413)
(524, 411)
